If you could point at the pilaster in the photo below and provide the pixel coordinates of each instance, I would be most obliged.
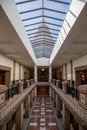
(19, 118)
(66, 118)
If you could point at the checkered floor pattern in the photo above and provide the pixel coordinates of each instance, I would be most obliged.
(43, 116)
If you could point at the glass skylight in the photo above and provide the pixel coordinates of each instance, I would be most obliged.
(42, 20)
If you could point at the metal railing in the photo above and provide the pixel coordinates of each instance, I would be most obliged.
(15, 88)
(25, 85)
(60, 85)
(73, 91)
(12, 90)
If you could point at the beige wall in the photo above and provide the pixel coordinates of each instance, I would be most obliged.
(69, 71)
(67, 68)
(16, 71)
(9, 63)
(82, 61)
(64, 72)
(22, 72)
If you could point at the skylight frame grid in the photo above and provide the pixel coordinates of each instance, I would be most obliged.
(35, 25)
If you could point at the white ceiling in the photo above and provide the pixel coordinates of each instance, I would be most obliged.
(10, 44)
(75, 45)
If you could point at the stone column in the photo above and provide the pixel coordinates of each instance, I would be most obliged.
(54, 98)
(66, 118)
(33, 94)
(58, 106)
(14, 71)
(19, 71)
(80, 127)
(27, 106)
(50, 73)
(20, 86)
(56, 102)
(66, 71)
(9, 125)
(28, 83)
(50, 91)
(3, 127)
(56, 83)
(31, 99)
(71, 73)
(35, 89)
(19, 118)
(35, 73)
(83, 100)
(65, 85)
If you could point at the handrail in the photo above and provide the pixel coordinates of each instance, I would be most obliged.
(14, 103)
(73, 106)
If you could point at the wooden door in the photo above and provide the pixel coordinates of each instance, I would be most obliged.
(42, 90)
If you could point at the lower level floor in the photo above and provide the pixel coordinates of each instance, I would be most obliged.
(43, 115)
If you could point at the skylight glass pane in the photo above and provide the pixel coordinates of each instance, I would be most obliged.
(56, 26)
(32, 21)
(29, 6)
(56, 6)
(32, 27)
(33, 31)
(53, 21)
(42, 20)
(31, 14)
(54, 14)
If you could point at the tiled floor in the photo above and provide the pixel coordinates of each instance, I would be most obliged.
(43, 116)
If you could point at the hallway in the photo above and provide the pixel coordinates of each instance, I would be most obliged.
(43, 116)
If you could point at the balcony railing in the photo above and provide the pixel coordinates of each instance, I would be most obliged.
(18, 88)
(12, 90)
(76, 107)
(73, 91)
(25, 85)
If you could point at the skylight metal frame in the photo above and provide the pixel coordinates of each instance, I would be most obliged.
(41, 16)
(43, 32)
(53, 37)
(42, 28)
(58, 25)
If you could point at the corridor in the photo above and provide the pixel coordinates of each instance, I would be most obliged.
(43, 116)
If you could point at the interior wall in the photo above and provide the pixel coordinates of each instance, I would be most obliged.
(79, 62)
(64, 73)
(14, 71)
(69, 71)
(21, 72)
(8, 63)
(43, 74)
